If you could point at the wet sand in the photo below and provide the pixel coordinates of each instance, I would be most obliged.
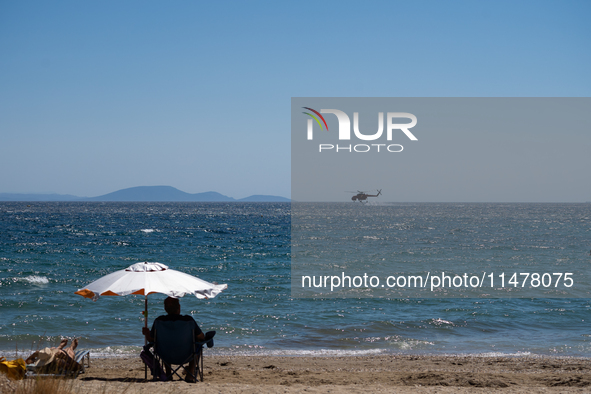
(379, 374)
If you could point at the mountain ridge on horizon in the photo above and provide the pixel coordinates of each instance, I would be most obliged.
(143, 194)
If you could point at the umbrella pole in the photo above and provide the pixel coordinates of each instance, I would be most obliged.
(145, 338)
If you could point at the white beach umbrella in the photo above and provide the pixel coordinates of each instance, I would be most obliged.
(148, 278)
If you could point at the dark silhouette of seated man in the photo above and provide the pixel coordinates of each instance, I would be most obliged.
(172, 307)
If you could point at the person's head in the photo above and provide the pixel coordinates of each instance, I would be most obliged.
(172, 306)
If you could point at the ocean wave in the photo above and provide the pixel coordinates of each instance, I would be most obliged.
(115, 351)
(441, 322)
(34, 279)
(134, 351)
(301, 352)
(501, 354)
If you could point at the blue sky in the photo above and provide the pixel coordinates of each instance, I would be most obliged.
(100, 96)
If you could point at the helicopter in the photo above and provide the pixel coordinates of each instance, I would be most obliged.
(362, 196)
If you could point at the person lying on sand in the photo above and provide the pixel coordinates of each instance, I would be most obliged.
(56, 358)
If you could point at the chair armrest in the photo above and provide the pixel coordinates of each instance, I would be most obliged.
(208, 342)
(208, 339)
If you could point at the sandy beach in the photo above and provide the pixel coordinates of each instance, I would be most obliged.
(380, 374)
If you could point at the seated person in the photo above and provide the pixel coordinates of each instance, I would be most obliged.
(172, 307)
(56, 358)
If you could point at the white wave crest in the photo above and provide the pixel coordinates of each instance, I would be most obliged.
(35, 279)
(440, 321)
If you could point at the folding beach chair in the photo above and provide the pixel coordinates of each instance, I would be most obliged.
(82, 358)
(174, 344)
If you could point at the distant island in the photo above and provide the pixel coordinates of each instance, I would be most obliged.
(144, 194)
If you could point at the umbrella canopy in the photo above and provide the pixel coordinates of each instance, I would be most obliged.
(148, 278)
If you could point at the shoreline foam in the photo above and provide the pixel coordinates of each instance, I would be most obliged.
(126, 352)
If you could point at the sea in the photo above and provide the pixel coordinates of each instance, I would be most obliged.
(49, 250)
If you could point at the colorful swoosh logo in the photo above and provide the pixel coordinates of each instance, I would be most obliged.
(315, 118)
